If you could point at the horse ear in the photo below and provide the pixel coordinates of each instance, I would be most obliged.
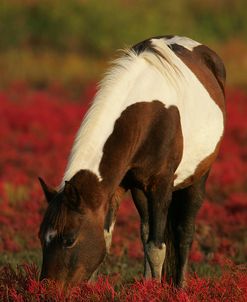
(72, 194)
(49, 192)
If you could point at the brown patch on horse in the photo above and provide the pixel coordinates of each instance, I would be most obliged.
(83, 181)
(145, 142)
(113, 207)
(214, 63)
(207, 67)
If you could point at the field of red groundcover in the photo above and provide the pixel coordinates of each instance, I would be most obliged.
(37, 131)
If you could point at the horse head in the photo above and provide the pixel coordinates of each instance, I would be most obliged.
(71, 233)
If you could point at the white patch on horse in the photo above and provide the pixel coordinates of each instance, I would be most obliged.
(147, 77)
(51, 234)
(108, 237)
(156, 257)
(182, 41)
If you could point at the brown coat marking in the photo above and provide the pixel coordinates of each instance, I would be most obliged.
(207, 67)
(83, 182)
(146, 141)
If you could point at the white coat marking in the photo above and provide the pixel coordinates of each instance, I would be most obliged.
(147, 77)
(183, 41)
(51, 234)
(156, 257)
(108, 237)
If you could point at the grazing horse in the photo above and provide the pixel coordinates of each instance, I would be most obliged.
(154, 128)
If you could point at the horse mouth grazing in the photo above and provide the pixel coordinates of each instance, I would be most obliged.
(65, 281)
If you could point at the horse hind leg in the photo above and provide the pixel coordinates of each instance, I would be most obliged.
(141, 204)
(180, 230)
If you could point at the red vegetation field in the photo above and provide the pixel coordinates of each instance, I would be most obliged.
(37, 131)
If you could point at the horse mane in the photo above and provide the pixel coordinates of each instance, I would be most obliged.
(118, 79)
(160, 55)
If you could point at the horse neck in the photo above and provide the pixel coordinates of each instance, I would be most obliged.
(99, 122)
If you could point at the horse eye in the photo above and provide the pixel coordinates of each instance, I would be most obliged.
(68, 242)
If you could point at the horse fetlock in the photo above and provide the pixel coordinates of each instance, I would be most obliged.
(156, 257)
(181, 280)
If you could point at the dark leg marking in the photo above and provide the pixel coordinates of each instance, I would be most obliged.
(141, 204)
(180, 229)
(159, 198)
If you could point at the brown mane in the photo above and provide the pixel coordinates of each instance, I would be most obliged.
(55, 216)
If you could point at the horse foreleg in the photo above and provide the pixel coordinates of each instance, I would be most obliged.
(109, 224)
(159, 197)
(140, 201)
(111, 217)
(147, 269)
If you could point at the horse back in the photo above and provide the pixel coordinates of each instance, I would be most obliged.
(181, 134)
(160, 107)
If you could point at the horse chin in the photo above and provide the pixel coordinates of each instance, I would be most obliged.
(59, 282)
(79, 277)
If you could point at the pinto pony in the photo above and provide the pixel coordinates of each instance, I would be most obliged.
(154, 128)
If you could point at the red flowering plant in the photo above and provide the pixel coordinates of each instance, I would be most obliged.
(37, 130)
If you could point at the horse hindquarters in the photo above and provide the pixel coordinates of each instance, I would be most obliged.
(180, 229)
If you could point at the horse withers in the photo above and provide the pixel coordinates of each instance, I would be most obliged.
(154, 128)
